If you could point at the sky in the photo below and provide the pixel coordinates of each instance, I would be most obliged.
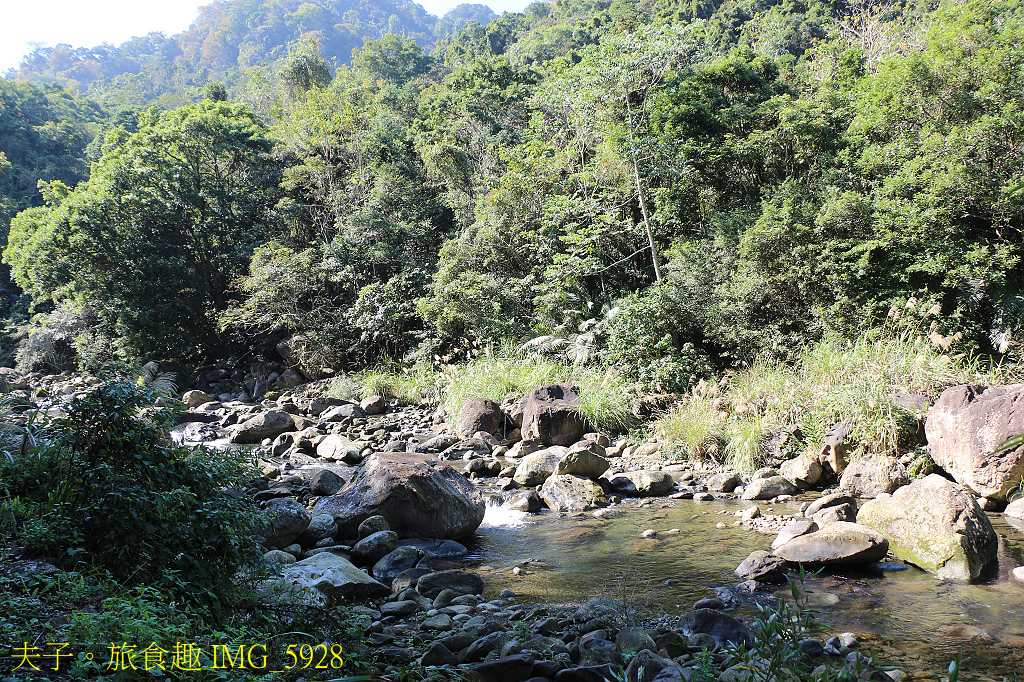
(85, 23)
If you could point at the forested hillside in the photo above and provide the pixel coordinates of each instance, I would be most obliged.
(668, 188)
(233, 41)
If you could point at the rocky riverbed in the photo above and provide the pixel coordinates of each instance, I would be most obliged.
(382, 504)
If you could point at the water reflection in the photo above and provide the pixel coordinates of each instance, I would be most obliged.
(910, 617)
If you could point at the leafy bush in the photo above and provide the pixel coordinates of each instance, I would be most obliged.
(112, 493)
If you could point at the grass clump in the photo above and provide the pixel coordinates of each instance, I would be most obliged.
(604, 393)
(835, 380)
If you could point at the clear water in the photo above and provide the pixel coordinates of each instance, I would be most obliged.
(908, 617)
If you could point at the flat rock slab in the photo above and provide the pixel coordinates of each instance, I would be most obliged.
(836, 543)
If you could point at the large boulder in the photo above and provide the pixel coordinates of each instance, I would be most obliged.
(722, 627)
(269, 424)
(417, 494)
(837, 543)
(767, 488)
(552, 415)
(642, 483)
(534, 469)
(571, 493)
(934, 524)
(965, 429)
(871, 475)
(480, 414)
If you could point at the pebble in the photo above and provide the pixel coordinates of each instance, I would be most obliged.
(1018, 573)
(649, 533)
(720, 526)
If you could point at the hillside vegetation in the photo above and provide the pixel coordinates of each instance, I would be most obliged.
(668, 189)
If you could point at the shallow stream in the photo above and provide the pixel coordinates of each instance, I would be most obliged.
(907, 616)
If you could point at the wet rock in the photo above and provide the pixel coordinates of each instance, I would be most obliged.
(722, 627)
(794, 529)
(459, 582)
(551, 415)
(418, 495)
(836, 543)
(768, 488)
(762, 567)
(525, 501)
(436, 550)
(712, 603)
(965, 429)
(269, 424)
(567, 492)
(288, 519)
(871, 475)
(936, 525)
(642, 483)
(594, 673)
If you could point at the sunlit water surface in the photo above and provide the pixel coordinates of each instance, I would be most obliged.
(908, 617)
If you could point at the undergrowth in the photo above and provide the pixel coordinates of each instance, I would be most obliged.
(834, 380)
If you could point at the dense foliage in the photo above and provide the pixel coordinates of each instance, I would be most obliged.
(672, 188)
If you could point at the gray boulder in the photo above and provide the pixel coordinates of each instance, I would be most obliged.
(459, 582)
(724, 482)
(642, 483)
(325, 482)
(396, 562)
(934, 524)
(374, 405)
(338, 448)
(269, 424)
(582, 463)
(335, 577)
(762, 567)
(804, 470)
(288, 519)
(768, 488)
(568, 492)
(321, 527)
(552, 415)
(836, 543)
(794, 529)
(417, 494)
(722, 627)
(373, 548)
(871, 475)
(966, 429)
(534, 469)
(480, 414)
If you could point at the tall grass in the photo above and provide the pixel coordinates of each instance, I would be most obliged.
(604, 394)
(835, 380)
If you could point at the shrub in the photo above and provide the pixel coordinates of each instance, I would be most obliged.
(112, 493)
